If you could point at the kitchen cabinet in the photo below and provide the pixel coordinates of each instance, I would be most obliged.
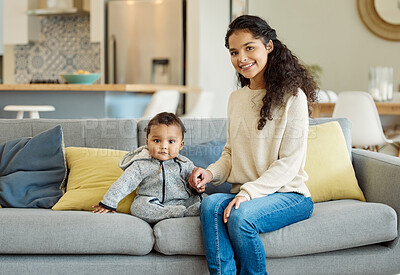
(20, 28)
(97, 29)
(96, 20)
(15, 22)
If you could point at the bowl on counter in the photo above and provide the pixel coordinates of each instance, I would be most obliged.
(80, 78)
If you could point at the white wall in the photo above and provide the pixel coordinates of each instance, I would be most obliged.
(1, 27)
(331, 34)
(208, 61)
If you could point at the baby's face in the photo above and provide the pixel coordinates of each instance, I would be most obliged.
(164, 141)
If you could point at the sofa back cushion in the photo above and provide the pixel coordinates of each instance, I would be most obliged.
(204, 154)
(205, 130)
(118, 134)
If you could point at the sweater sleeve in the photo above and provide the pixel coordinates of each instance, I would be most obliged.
(123, 186)
(291, 156)
(187, 171)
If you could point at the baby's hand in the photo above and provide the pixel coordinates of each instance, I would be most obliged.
(101, 210)
(200, 189)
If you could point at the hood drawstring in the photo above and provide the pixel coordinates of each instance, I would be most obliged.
(159, 169)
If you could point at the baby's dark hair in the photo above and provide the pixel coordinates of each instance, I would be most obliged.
(166, 119)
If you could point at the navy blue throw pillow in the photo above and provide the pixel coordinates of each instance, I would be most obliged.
(32, 170)
(203, 155)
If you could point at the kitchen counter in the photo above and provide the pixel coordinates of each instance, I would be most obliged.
(84, 101)
(141, 88)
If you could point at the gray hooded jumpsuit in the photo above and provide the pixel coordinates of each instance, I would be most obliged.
(162, 187)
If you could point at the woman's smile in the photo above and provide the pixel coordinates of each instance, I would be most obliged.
(247, 66)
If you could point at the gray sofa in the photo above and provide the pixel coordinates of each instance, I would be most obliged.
(341, 237)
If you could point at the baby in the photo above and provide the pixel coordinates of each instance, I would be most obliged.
(159, 173)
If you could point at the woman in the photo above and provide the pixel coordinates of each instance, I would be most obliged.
(265, 152)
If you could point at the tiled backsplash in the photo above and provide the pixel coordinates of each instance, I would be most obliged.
(64, 47)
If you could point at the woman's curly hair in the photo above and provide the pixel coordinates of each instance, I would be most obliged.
(284, 73)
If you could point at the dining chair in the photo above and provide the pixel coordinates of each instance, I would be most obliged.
(162, 101)
(203, 106)
(360, 108)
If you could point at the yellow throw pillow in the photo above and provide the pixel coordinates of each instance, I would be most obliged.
(328, 164)
(91, 172)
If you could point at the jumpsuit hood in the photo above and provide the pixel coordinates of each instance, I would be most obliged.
(141, 153)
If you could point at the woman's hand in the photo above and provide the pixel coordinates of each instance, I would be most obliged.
(101, 210)
(235, 202)
(199, 178)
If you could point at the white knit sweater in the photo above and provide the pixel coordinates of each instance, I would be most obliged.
(259, 163)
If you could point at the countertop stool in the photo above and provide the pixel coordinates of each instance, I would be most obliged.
(32, 109)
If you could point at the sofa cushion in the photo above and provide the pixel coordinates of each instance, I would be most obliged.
(334, 225)
(118, 134)
(32, 170)
(204, 154)
(204, 130)
(43, 231)
(328, 165)
(91, 173)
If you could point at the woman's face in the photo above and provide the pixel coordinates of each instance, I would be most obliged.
(249, 56)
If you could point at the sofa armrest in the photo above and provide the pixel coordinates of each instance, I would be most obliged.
(378, 176)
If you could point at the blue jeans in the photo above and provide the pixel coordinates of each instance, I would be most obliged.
(236, 245)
